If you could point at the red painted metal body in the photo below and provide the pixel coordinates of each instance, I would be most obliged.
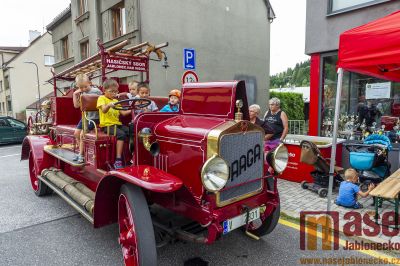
(170, 179)
(315, 74)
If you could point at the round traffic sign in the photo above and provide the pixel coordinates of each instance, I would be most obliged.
(189, 77)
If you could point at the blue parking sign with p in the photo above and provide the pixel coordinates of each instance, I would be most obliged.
(189, 58)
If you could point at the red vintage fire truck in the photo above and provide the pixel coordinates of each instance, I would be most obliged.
(195, 175)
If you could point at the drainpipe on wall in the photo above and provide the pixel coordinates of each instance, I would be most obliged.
(99, 29)
(139, 22)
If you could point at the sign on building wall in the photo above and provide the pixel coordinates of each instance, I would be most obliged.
(123, 63)
(377, 90)
(189, 77)
(189, 58)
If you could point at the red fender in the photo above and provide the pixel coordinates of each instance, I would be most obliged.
(146, 177)
(35, 145)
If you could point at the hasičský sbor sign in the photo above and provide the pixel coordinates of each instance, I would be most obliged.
(124, 63)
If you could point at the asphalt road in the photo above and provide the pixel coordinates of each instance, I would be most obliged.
(47, 231)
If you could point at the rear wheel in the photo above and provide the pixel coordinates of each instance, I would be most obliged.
(136, 233)
(40, 188)
(30, 125)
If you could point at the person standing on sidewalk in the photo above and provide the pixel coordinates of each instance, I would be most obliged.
(254, 112)
(278, 121)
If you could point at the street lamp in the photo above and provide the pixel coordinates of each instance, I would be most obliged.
(37, 77)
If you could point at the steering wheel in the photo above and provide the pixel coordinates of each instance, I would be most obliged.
(135, 103)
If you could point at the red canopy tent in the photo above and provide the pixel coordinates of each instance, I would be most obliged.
(372, 49)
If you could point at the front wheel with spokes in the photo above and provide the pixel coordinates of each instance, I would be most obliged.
(136, 233)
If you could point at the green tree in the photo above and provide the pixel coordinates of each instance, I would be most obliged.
(299, 76)
(292, 103)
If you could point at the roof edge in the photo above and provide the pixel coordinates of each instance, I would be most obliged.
(66, 13)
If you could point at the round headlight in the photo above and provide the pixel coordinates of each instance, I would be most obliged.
(214, 174)
(278, 158)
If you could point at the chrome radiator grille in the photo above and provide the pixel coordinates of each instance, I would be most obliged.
(244, 154)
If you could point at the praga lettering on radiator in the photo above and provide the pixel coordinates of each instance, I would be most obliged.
(245, 161)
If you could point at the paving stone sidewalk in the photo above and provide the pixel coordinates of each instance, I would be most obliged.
(295, 199)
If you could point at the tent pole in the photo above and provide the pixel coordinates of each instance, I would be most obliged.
(334, 137)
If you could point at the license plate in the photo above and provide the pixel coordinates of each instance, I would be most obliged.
(238, 221)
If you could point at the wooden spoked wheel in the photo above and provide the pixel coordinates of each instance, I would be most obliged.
(136, 233)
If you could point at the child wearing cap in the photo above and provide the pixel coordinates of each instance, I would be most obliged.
(173, 103)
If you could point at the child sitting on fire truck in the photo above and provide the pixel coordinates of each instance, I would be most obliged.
(173, 103)
(83, 84)
(133, 86)
(143, 90)
(109, 118)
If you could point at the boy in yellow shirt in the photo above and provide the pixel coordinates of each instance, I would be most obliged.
(109, 118)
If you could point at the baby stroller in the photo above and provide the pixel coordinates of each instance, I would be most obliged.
(370, 159)
(310, 154)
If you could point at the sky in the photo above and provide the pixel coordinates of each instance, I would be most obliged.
(19, 16)
(287, 30)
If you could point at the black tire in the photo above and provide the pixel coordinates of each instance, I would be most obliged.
(322, 192)
(143, 226)
(40, 188)
(43, 190)
(269, 224)
(304, 185)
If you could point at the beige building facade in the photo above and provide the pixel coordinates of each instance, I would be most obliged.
(22, 77)
(6, 54)
(231, 38)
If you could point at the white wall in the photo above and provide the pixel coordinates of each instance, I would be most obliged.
(23, 78)
(231, 38)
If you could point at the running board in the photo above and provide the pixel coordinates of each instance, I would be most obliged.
(68, 199)
(62, 154)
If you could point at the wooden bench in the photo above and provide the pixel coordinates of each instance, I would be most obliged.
(388, 190)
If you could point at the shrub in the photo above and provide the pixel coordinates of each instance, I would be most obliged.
(291, 102)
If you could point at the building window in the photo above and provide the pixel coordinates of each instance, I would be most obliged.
(337, 6)
(84, 50)
(1, 85)
(64, 48)
(48, 60)
(356, 102)
(9, 105)
(118, 21)
(6, 82)
(82, 6)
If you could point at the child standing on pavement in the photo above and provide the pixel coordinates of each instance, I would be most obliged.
(348, 191)
(144, 92)
(109, 118)
(83, 84)
(173, 104)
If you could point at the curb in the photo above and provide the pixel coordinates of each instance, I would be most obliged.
(290, 215)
